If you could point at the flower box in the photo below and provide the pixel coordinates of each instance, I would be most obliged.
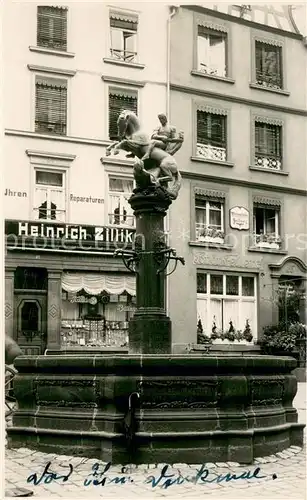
(211, 239)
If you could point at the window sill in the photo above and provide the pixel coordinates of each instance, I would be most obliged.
(135, 65)
(205, 244)
(268, 170)
(214, 162)
(225, 79)
(53, 52)
(267, 250)
(268, 89)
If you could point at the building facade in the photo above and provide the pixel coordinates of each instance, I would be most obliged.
(238, 91)
(69, 72)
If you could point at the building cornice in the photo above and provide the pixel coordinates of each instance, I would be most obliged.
(117, 161)
(245, 22)
(243, 183)
(122, 81)
(53, 156)
(52, 71)
(240, 100)
(52, 52)
(59, 138)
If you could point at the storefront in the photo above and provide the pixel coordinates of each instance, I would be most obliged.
(96, 309)
(64, 289)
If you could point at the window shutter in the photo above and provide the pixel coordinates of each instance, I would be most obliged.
(211, 129)
(52, 27)
(268, 65)
(51, 107)
(118, 102)
(268, 139)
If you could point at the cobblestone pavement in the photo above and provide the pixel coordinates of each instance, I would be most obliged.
(281, 476)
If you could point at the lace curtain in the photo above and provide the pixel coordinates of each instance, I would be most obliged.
(93, 284)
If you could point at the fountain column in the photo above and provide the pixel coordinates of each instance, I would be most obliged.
(150, 328)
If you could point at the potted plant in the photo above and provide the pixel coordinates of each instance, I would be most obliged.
(231, 332)
(247, 333)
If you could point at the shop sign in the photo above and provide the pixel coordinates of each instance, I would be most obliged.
(239, 218)
(66, 236)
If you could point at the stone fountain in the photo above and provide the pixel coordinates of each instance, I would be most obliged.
(152, 406)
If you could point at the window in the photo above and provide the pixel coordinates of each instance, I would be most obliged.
(30, 278)
(266, 227)
(52, 27)
(29, 317)
(211, 136)
(50, 106)
(211, 52)
(224, 298)
(123, 37)
(268, 146)
(268, 65)
(120, 212)
(209, 220)
(119, 100)
(49, 196)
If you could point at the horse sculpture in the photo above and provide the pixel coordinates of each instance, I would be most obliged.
(153, 167)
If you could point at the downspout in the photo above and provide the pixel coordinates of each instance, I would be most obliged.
(173, 10)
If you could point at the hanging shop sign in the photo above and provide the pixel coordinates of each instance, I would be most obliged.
(239, 218)
(70, 237)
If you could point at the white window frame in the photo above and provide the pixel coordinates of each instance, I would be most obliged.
(115, 175)
(62, 189)
(207, 327)
(267, 244)
(211, 31)
(208, 226)
(136, 43)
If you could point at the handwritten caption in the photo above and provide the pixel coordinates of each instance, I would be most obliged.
(100, 475)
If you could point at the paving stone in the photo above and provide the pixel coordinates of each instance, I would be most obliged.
(259, 460)
(233, 464)
(295, 448)
(209, 465)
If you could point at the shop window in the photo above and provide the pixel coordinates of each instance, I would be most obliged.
(49, 195)
(209, 220)
(123, 37)
(30, 278)
(120, 212)
(211, 51)
(268, 65)
(50, 106)
(226, 299)
(211, 136)
(52, 27)
(120, 100)
(266, 227)
(96, 320)
(268, 147)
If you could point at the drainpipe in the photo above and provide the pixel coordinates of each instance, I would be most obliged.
(173, 11)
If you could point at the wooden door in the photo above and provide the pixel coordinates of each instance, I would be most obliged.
(31, 322)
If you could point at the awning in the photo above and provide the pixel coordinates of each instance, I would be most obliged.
(93, 284)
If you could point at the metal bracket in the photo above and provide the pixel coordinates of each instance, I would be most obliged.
(162, 257)
(130, 258)
(168, 254)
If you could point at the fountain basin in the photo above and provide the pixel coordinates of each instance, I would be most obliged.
(192, 408)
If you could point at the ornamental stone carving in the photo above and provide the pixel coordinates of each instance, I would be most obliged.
(209, 193)
(268, 120)
(291, 269)
(211, 25)
(263, 200)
